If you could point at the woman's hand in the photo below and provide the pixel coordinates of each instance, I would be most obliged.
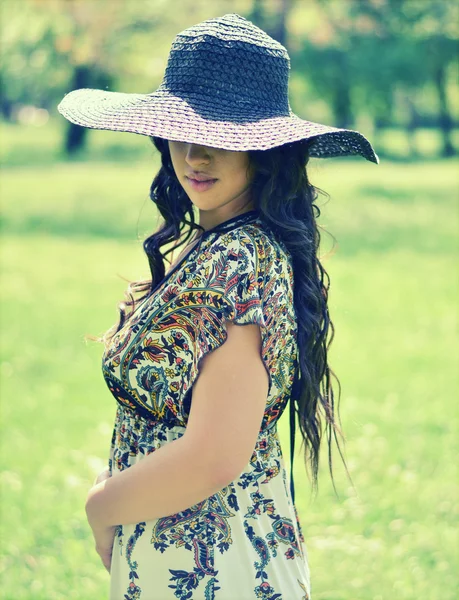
(103, 536)
(104, 539)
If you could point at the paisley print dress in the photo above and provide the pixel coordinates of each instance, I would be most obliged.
(244, 542)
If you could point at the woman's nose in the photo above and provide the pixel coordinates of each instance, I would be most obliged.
(197, 153)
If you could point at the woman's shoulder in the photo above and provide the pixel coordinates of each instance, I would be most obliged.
(255, 236)
(269, 247)
(251, 250)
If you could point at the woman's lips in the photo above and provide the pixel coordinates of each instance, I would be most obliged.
(201, 186)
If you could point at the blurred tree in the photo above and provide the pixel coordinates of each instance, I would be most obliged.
(323, 53)
(89, 53)
(115, 41)
(84, 76)
(53, 46)
(424, 39)
(440, 51)
(272, 17)
(374, 58)
(359, 54)
(27, 55)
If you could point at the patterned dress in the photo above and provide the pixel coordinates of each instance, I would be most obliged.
(244, 542)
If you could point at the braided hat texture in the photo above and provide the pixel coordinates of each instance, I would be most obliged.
(225, 86)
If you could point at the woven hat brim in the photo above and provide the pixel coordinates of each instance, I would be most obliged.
(167, 116)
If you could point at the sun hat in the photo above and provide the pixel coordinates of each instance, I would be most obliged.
(225, 86)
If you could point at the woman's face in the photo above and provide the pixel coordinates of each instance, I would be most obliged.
(228, 195)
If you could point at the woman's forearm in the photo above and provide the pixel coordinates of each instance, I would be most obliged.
(167, 481)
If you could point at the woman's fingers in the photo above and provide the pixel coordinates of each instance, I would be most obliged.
(106, 559)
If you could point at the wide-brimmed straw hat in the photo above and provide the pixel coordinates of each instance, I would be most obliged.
(225, 86)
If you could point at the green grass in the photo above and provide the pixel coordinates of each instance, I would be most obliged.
(73, 230)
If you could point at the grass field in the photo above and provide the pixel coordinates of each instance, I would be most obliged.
(72, 233)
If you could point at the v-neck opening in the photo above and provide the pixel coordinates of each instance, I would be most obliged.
(223, 227)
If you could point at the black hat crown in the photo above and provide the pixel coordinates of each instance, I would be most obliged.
(231, 69)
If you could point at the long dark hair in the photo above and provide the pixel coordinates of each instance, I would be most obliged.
(285, 198)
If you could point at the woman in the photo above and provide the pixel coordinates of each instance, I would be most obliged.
(195, 502)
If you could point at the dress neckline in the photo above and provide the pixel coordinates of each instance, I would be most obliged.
(224, 227)
(228, 225)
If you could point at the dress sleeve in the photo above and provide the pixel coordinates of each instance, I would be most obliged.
(233, 291)
(243, 281)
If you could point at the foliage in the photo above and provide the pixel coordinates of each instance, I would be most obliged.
(375, 63)
(374, 57)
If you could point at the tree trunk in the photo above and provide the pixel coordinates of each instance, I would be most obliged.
(275, 26)
(444, 117)
(411, 128)
(341, 95)
(257, 14)
(6, 106)
(76, 135)
(83, 77)
(280, 33)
